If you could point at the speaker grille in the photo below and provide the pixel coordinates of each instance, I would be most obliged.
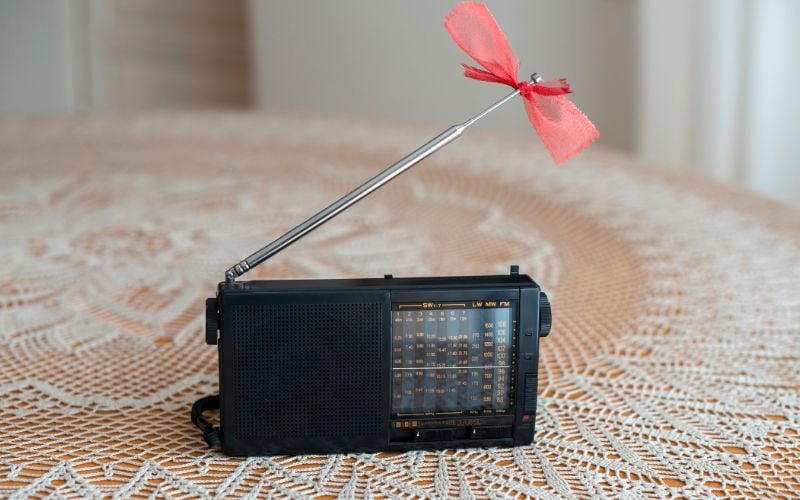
(307, 370)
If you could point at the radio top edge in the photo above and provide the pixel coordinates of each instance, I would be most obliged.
(388, 281)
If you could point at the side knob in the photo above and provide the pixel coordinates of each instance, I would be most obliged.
(212, 321)
(545, 315)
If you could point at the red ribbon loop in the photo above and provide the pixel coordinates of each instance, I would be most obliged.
(562, 127)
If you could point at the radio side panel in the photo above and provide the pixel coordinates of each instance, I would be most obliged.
(304, 372)
(527, 366)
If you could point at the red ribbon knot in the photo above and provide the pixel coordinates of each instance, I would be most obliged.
(562, 127)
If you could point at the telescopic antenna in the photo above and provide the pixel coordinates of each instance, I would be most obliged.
(363, 190)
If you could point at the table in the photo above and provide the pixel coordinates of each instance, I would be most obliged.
(673, 366)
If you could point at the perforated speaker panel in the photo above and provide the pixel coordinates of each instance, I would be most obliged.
(302, 371)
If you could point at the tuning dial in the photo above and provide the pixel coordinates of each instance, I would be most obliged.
(545, 315)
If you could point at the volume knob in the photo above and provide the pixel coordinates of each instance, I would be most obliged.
(545, 315)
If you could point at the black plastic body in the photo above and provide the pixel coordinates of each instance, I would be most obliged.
(305, 365)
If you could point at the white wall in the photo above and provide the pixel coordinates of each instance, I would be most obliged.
(37, 63)
(77, 55)
(772, 104)
(174, 53)
(718, 90)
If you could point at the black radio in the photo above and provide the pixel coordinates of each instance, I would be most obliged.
(373, 364)
(377, 364)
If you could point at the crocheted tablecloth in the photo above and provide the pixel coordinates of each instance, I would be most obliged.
(673, 366)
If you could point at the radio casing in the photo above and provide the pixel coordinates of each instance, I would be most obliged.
(305, 366)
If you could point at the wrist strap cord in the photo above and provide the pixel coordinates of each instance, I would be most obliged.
(212, 435)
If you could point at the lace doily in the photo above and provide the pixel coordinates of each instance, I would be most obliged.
(672, 369)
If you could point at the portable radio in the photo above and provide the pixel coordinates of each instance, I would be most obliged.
(377, 364)
(358, 365)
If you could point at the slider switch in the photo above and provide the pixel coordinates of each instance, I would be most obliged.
(491, 432)
(529, 392)
(428, 435)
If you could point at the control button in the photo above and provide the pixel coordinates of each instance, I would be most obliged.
(527, 417)
(491, 432)
(212, 321)
(427, 435)
(514, 269)
(529, 392)
(387, 276)
(545, 315)
(529, 332)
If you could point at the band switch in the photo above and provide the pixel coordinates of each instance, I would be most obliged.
(529, 392)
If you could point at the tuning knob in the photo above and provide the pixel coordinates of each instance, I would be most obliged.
(545, 315)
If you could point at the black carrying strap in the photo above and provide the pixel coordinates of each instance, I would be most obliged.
(212, 435)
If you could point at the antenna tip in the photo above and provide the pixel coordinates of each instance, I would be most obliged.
(536, 78)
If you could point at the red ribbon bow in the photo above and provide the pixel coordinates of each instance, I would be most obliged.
(563, 128)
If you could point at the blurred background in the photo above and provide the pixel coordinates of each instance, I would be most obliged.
(708, 86)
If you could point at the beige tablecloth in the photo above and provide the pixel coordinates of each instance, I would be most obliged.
(673, 366)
